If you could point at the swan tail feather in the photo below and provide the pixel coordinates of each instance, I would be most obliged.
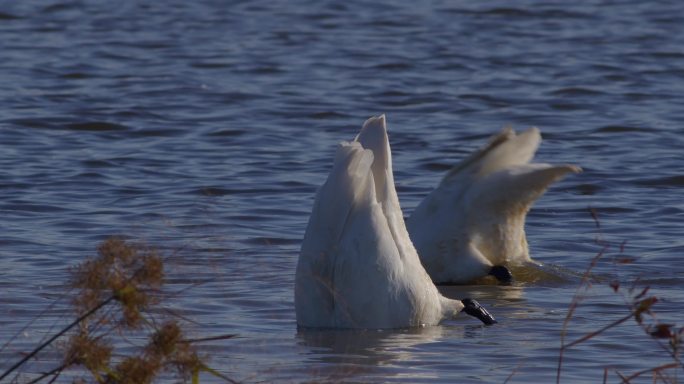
(347, 183)
(503, 150)
(518, 187)
(336, 198)
(373, 136)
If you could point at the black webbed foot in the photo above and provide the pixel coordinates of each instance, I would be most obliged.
(473, 308)
(501, 273)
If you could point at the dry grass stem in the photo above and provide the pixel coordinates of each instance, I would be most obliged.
(639, 307)
(116, 293)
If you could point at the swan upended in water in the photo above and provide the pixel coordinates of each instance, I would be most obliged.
(473, 223)
(357, 267)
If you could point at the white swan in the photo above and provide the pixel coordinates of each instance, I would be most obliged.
(473, 223)
(357, 267)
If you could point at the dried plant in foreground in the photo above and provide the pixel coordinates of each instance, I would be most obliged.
(639, 305)
(115, 294)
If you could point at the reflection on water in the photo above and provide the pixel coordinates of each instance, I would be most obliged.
(356, 354)
(367, 347)
(545, 274)
(537, 274)
(484, 293)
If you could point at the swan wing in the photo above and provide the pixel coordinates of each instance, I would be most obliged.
(314, 283)
(515, 188)
(373, 136)
(409, 292)
(503, 150)
(497, 207)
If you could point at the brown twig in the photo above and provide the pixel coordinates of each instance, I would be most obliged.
(515, 370)
(654, 370)
(573, 305)
(598, 332)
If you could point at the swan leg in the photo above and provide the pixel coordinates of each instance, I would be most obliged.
(501, 273)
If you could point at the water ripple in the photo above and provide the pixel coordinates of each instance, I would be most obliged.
(205, 130)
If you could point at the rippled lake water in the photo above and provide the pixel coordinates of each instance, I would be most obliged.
(204, 128)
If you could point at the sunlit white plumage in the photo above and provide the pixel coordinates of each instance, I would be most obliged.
(358, 267)
(475, 218)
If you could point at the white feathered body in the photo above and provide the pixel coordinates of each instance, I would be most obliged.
(358, 267)
(475, 218)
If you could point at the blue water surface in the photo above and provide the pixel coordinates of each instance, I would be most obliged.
(203, 128)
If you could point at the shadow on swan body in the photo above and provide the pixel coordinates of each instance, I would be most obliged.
(473, 224)
(357, 267)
